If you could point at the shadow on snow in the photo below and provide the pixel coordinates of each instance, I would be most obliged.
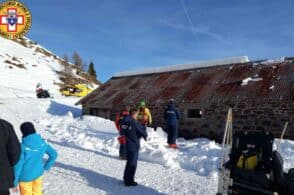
(59, 109)
(68, 145)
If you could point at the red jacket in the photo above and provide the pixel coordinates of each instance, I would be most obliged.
(119, 117)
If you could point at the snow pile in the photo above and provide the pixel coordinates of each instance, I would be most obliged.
(287, 151)
(199, 155)
(250, 79)
(233, 60)
(88, 152)
(96, 134)
(273, 61)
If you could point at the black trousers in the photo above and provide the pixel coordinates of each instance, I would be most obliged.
(123, 151)
(131, 166)
(5, 192)
(172, 131)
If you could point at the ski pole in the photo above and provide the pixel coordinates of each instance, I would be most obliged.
(282, 135)
(225, 137)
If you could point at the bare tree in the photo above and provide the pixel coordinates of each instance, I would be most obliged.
(77, 61)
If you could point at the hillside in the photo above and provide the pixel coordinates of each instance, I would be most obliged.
(24, 63)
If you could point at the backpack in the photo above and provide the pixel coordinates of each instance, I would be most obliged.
(248, 160)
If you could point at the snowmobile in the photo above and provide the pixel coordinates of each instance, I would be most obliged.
(42, 93)
(252, 166)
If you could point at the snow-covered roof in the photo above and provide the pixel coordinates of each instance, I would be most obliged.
(200, 64)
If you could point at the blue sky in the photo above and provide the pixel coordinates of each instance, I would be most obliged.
(120, 35)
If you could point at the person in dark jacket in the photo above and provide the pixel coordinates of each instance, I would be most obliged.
(172, 116)
(133, 131)
(121, 139)
(9, 155)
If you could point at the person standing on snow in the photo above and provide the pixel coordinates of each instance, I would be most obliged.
(144, 116)
(30, 167)
(9, 155)
(172, 116)
(122, 140)
(133, 131)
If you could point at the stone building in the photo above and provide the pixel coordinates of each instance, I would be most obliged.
(261, 94)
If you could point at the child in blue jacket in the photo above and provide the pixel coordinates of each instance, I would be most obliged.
(30, 168)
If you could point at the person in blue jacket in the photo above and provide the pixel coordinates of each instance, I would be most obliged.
(172, 116)
(30, 168)
(133, 131)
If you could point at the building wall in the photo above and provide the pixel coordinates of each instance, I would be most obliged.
(246, 116)
(96, 111)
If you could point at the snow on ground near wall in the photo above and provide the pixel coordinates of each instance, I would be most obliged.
(88, 151)
(232, 60)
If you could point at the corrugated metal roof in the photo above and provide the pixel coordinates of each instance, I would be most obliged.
(209, 84)
(200, 64)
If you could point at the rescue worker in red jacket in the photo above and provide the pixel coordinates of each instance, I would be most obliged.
(121, 139)
(144, 116)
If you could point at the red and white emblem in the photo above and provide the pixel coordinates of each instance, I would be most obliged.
(12, 20)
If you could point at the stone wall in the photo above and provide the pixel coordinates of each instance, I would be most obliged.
(246, 116)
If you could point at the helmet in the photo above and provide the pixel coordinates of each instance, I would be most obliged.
(142, 103)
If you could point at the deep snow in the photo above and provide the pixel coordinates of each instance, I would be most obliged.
(88, 151)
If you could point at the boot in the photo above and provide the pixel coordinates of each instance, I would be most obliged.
(132, 183)
(174, 146)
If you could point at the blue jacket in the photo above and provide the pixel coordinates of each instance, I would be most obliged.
(171, 115)
(30, 165)
(133, 131)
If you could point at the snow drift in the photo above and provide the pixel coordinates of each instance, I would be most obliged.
(88, 149)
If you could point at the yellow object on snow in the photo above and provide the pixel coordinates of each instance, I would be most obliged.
(32, 187)
(249, 163)
(79, 90)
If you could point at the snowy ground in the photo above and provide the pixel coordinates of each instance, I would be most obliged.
(88, 149)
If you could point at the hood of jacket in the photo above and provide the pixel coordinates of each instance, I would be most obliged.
(171, 106)
(33, 142)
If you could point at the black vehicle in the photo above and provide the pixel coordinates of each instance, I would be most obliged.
(254, 168)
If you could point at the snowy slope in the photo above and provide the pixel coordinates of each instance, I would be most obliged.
(38, 67)
(25, 63)
(88, 164)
